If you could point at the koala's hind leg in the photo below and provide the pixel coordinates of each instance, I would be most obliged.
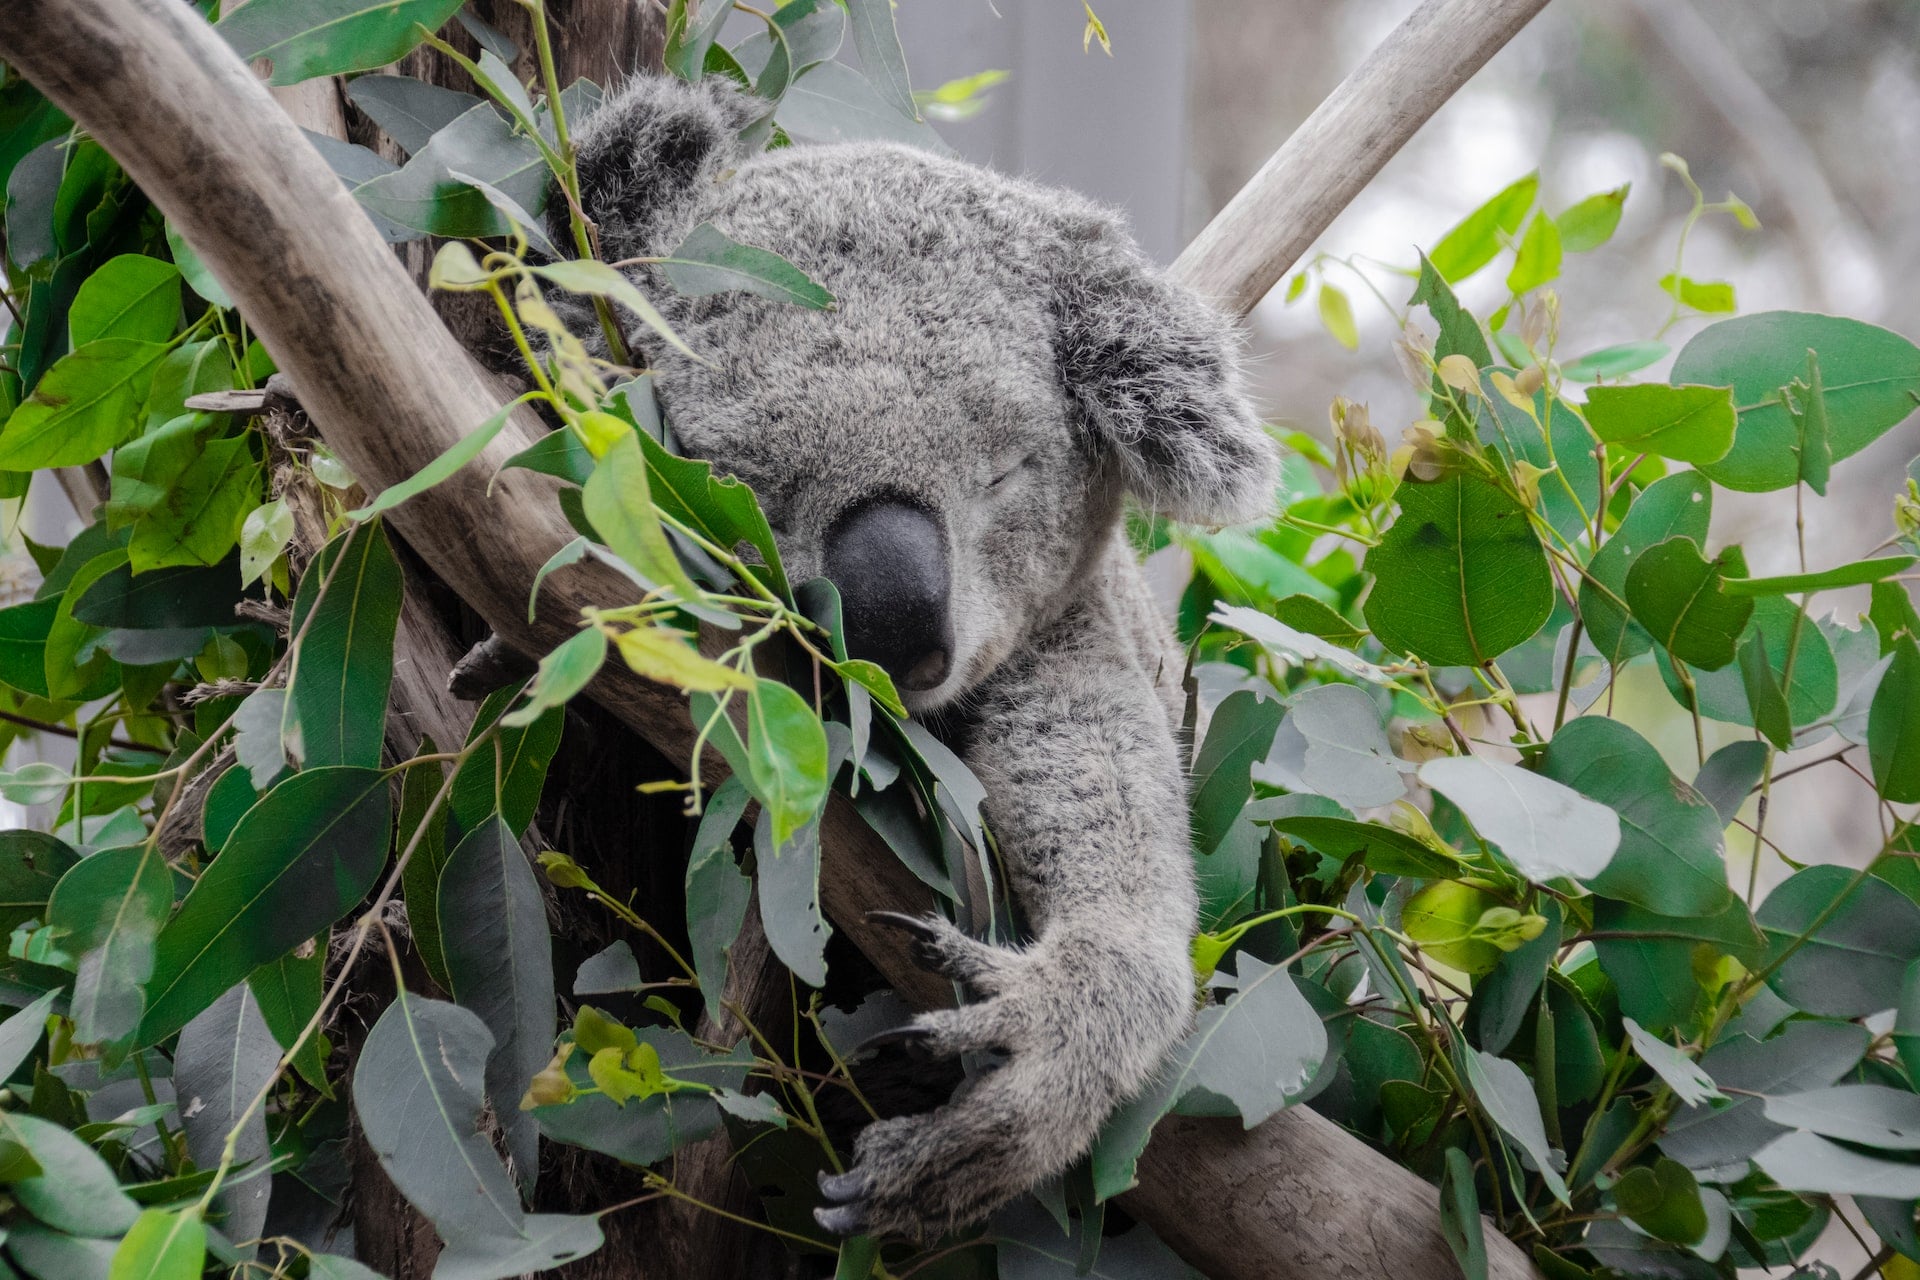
(1085, 798)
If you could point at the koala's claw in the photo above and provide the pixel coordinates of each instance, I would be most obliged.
(942, 947)
(845, 1212)
(914, 1038)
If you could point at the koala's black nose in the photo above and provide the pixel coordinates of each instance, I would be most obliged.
(890, 562)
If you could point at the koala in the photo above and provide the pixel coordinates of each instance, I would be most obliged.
(953, 443)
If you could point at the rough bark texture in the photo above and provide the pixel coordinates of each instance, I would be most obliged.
(365, 352)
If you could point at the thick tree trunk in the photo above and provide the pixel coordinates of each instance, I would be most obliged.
(366, 353)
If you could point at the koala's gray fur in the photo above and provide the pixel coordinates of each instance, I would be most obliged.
(1000, 355)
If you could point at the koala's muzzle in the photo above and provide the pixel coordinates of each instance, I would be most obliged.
(889, 560)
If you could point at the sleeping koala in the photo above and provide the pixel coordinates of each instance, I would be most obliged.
(952, 444)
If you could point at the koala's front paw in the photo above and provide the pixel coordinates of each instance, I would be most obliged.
(1082, 1027)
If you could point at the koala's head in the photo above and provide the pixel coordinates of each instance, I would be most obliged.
(952, 442)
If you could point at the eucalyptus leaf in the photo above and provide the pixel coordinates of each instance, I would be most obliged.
(1545, 828)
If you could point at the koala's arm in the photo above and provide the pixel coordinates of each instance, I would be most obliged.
(1085, 800)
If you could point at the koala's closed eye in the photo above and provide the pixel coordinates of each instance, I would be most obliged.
(1007, 473)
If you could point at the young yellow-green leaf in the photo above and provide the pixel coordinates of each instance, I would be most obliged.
(131, 296)
(264, 534)
(1869, 378)
(1336, 313)
(1441, 918)
(299, 860)
(81, 407)
(309, 38)
(1680, 597)
(344, 662)
(618, 502)
(455, 456)
(786, 756)
(1685, 423)
(1538, 259)
(1095, 30)
(1893, 726)
(1460, 577)
(709, 261)
(663, 654)
(1590, 223)
(162, 1245)
(601, 280)
(873, 677)
(562, 674)
(1478, 237)
(1711, 296)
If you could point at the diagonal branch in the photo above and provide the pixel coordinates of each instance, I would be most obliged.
(389, 389)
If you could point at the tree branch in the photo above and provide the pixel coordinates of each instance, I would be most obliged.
(1263, 230)
(390, 389)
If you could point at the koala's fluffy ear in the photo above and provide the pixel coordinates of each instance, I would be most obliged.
(646, 156)
(1151, 367)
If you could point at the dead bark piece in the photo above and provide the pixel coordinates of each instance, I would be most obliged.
(202, 137)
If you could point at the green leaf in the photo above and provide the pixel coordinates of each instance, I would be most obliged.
(1766, 701)
(1479, 237)
(717, 892)
(1870, 377)
(264, 534)
(1460, 1216)
(562, 674)
(877, 41)
(1663, 1200)
(786, 757)
(1537, 260)
(131, 296)
(1685, 423)
(1873, 1115)
(709, 261)
(454, 457)
(162, 1244)
(1680, 598)
(599, 279)
(1333, 744)
(417, 1091)
(1807, 1162)
(1670, 857)
(420, 879)
(1442, 918)
(1906, 1022)
(1336, 313)
(1459, 578)
(1590, 223)
(835, 103)
(1614, 362)
(197, 520)
(507, 775)
(31, 864)
(288, 992)
(226, 1056)
(687, 45)
(549, 1241)
(198, 276)
(1860, 944)
(410, 111)
(1304, 613)
(424, 195)
(309, 38)
(1544, 827)
(349, 603)
(1507, 1096)
(721, 509)
(1459, 332)
(1804, 1055)
(1381, 848)
(1811, 686)
(21, 1033)
(1893, 726)
(1503, 998)
(1807, 406)
(23, 644)
(1679, 505)
(181, 597)
(1650, 956)
(1570, 494)
(81, 407)
(1711, 296)
(558, 453)
(68, 678)
(617, 499)
(73, 1190)
(1238, 736)
(110, 910)
(1257, 1052)
(1858, 573)
(299, 860)
(789, 878)
(499, 958)
(1680, 1073)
